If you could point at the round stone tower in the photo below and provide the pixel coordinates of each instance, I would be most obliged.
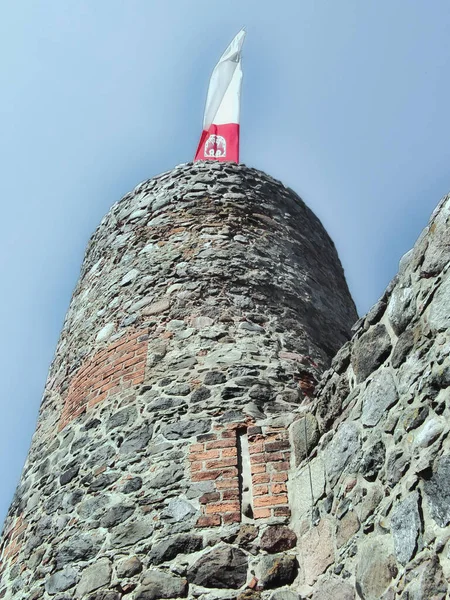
(209, 302)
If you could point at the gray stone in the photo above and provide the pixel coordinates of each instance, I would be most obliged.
(132, 485)
(178, 389)
(278, 538)
(214, 378)
(334, 589)
(305, 435)
(402, 348)
(157, 307)
(129, 567)
(437, 492)
(105, 595)
(94, 577)
(200, 394)
(121, 418)
(80, 547)
(69, 475)
(276, 570)
(401, 308)
(137, 439)
(103, 481)
(370, 351)
(178, 510)
(428, 582)
(106, 332)
(128, 534)
(375, 569)
(406, 527)
(284, 595)
(415, 417)
(373, 460)
(438, 313)
(166, 476)
(342, 451)
(429, 433)
(223, 567)
(380, 395)
(61, 580)
(170, 548)
(115, 515)
(396, 465)
(157, 585)
(129, 277)
(185, 429)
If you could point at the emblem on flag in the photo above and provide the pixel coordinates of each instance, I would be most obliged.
(220, 136)
(215, 146)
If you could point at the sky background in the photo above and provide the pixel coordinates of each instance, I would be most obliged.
(346, 102)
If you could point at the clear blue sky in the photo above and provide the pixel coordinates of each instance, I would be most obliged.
(347, 102)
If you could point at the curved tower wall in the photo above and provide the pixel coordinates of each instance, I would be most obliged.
(209, 302)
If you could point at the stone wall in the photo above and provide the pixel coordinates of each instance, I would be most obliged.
(370, 495)
(209, 303)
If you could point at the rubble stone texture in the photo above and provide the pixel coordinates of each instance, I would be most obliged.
(190, 444)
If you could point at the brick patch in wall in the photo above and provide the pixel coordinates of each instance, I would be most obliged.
(215, 458)
(117, 367)
(12, 542)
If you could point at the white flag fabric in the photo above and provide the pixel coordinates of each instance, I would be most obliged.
(220, 136)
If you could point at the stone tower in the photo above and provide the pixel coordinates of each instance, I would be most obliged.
(209, 303)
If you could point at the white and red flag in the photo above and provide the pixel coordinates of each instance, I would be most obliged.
(220, 136)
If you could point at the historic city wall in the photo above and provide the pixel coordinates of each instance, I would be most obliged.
(209, 303)
(376, 525)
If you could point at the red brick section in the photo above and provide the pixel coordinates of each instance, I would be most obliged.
(214, 458)
(270, 459)
(115, 368)
(12, 542)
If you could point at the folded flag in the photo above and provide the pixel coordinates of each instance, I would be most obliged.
(220, 136)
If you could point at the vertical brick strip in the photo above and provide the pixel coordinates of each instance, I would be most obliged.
(214, 458)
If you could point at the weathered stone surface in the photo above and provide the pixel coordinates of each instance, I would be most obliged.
(401, 308)
(61, 580)
(375, 569)
(278, 539)
(128, 534)
(157, 585)
(437, 492)
(317, 550)
(346, 529)
(438, 314)
(370, 351)
(334, 589)
(129, 567)
(305, 435)
(94, 577)
(222, 567)
(373, 460)
(185, 429)
(378, 397)
(137, 439)
(276, 570)
(80, 547)
(406, 527)
(116, 514)
(342, 451)
(284, 595)
(170, 548)
(428, 582)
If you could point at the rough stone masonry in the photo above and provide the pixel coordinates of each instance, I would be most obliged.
(188, 445)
